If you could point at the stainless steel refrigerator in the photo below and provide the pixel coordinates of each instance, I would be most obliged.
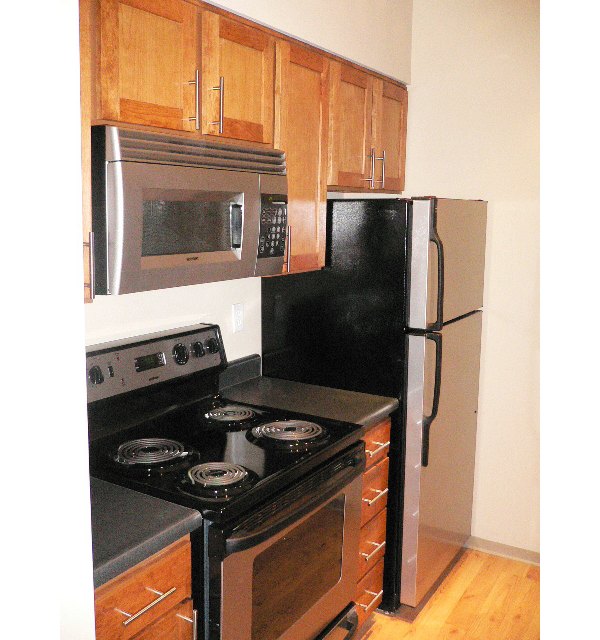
(397, 312)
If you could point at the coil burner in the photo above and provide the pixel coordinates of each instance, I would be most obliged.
(151, 454)
(294, 435)
(231, 414)
(218, 480)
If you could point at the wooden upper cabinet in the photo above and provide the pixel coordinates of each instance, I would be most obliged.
(148, 56)
(301, 123)
(350, 100)
(237, 80)
(390, 105)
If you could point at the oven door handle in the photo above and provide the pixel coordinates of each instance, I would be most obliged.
(244, 537)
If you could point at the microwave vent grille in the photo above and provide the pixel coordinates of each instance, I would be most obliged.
(142, 146)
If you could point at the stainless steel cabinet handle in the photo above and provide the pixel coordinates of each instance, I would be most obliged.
(221, 90)
(381, 446)
(193, 621)
(380, 494)
(92, 284)
(382, 158)
(289, 247)
(134, 616)
(378, 546)
(196, 82)
(372, 178)
(376, 596)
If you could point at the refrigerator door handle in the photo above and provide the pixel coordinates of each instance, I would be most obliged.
(435, 238)
(428, 420)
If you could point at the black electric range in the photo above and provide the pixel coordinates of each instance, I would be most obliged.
(271, 485)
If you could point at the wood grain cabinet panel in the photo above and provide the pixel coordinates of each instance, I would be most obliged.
(369, 592)
(390, 106)
(301, 123)
(177, 624)
(148, 57)
(377, 442)
(372, 543)
(350, 104)
(167, 572)
(237, 80)
(375, 490)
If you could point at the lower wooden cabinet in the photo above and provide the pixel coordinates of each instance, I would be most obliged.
(177, 624)
(150, 600)
(369, 590)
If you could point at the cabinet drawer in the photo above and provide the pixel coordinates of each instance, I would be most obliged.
(377, 442)
(369, 592)
(176, 624)
(138, 592)
(372, 543)
(375, 490)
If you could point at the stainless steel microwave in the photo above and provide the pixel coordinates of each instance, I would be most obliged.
(169, 211)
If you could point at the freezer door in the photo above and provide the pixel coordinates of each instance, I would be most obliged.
(439, 473)
(447, 243)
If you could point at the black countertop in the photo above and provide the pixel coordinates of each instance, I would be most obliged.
(348, 406)
(128, 527)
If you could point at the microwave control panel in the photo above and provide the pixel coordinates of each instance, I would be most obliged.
(273, 226)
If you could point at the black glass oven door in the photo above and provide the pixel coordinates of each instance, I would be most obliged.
(294, 581)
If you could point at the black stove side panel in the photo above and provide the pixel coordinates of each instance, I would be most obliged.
(342, 327)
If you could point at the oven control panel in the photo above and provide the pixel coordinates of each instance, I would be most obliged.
(126, 365)
(273, 226)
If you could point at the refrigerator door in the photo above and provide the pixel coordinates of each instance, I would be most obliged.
(439, 470)
(447, 248)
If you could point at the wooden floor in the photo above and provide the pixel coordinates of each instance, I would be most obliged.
(483, 598)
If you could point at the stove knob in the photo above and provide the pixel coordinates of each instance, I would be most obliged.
(198, 349)
(180, 353)
(95, 375)
(212, 344)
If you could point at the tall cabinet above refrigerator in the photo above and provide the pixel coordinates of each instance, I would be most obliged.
(397, 312)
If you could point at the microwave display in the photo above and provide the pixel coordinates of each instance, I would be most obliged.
(190, 223)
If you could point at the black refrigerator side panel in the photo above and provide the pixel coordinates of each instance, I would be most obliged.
(342, 327)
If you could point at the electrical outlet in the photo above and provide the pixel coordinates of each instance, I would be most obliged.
(238, 317)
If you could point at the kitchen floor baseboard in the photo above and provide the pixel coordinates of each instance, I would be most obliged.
(504, 550)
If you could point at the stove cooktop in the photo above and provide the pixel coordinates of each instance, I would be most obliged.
(216, 456)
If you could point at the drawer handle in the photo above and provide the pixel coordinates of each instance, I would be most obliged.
(376, 597)
(134, 616)
(381, 447)
(380, 494)
(193, 621)
(378, 546)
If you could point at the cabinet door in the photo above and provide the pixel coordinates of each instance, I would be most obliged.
(237, 80)
(177, 624)
(147, 59)
(390, 104)
(301, 131)
(350, 102)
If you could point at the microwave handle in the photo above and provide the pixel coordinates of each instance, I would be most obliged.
(236, 221)
(245, 539)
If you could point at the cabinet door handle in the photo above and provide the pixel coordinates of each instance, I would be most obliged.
(372, 178)
(193, 621)
(92, 284)
(134, 616)
(289, 247)
(196, 82)
(376, 597)
(382, 158)
(378, 546)
(381, 446)
(380, 494)
(221, 90)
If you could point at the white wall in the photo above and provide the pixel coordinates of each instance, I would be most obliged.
(113, 317)
(473, 132)
(374, 33)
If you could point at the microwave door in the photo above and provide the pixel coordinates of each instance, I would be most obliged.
(170, 226)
